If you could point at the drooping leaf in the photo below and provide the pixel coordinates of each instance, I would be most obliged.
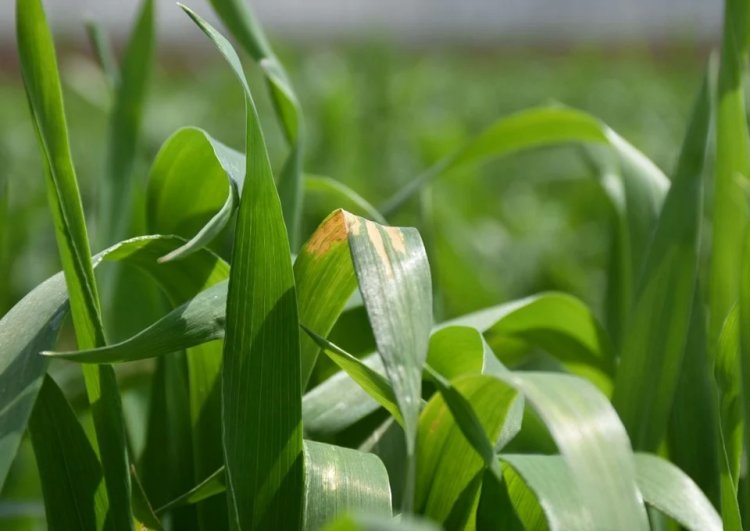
(42, 84)
(456, 350)
(31, 326)
(558, 323)
(668, 489)
(372, 382)
(193, 188)
(654, 341)
(261, 391)
(394, 279)
(632, 183)
(593, 442)
(544, 494)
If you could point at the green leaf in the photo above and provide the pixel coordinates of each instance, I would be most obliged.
(75, 496)
(371, 381)
(599, 456)
(261, 391)
(336, 480)
(193, 189)
(31, 326)
(654, 341)
(666, 488)
(368, 522)
(394, 279)
(340, 479)
(634, 186)
(333, 194)
(558, 323)
(42, 84)
(124, 127)
(456, 350)
(732, 167)
(544, 493)
(449, 470)
(241, 22)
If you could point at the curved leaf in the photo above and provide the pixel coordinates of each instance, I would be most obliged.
(593, 442)
(544, 494)
(667, 488)
(31, 326)
(193, 189)
(448, 469)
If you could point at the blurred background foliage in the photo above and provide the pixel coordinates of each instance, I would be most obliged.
(376, 115)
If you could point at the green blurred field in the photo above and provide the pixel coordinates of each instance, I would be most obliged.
(376, 116)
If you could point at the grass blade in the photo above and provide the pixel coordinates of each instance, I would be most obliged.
(394, 279)
(241, 22)
(193, 189)
(666, 488)
(42, 83)
(261, 391)
(31, 326)
(599, 455)
(125, 122)
(340, 479)
(371, 381)
(75, 496)
(654, 343)
(544, 494)
(449, 471)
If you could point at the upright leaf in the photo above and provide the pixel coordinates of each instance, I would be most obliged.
(261, 390)
(654, 342)
(42, 83)
(75, 496)
(241, 22)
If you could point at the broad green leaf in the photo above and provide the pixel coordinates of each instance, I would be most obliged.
(369, 522)
(338, 403)
(325, 281)
(371, 381)
(693, 435)
(340, 479)
(42, 83)
(124, 127)
(261, 390)
(593, 442)
(75, 496)
(654, 341)
(544, 494)
(31, 326)
(394, 279)
(449, 470)
(193, 189)
(456, 350)
(632, 183)
(731, 168)
(558, 323)
(744, 324)
(241, 22)
(668, 489)
(198, 321)
(336, 480)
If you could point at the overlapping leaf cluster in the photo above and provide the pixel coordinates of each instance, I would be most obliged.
(637, 418)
